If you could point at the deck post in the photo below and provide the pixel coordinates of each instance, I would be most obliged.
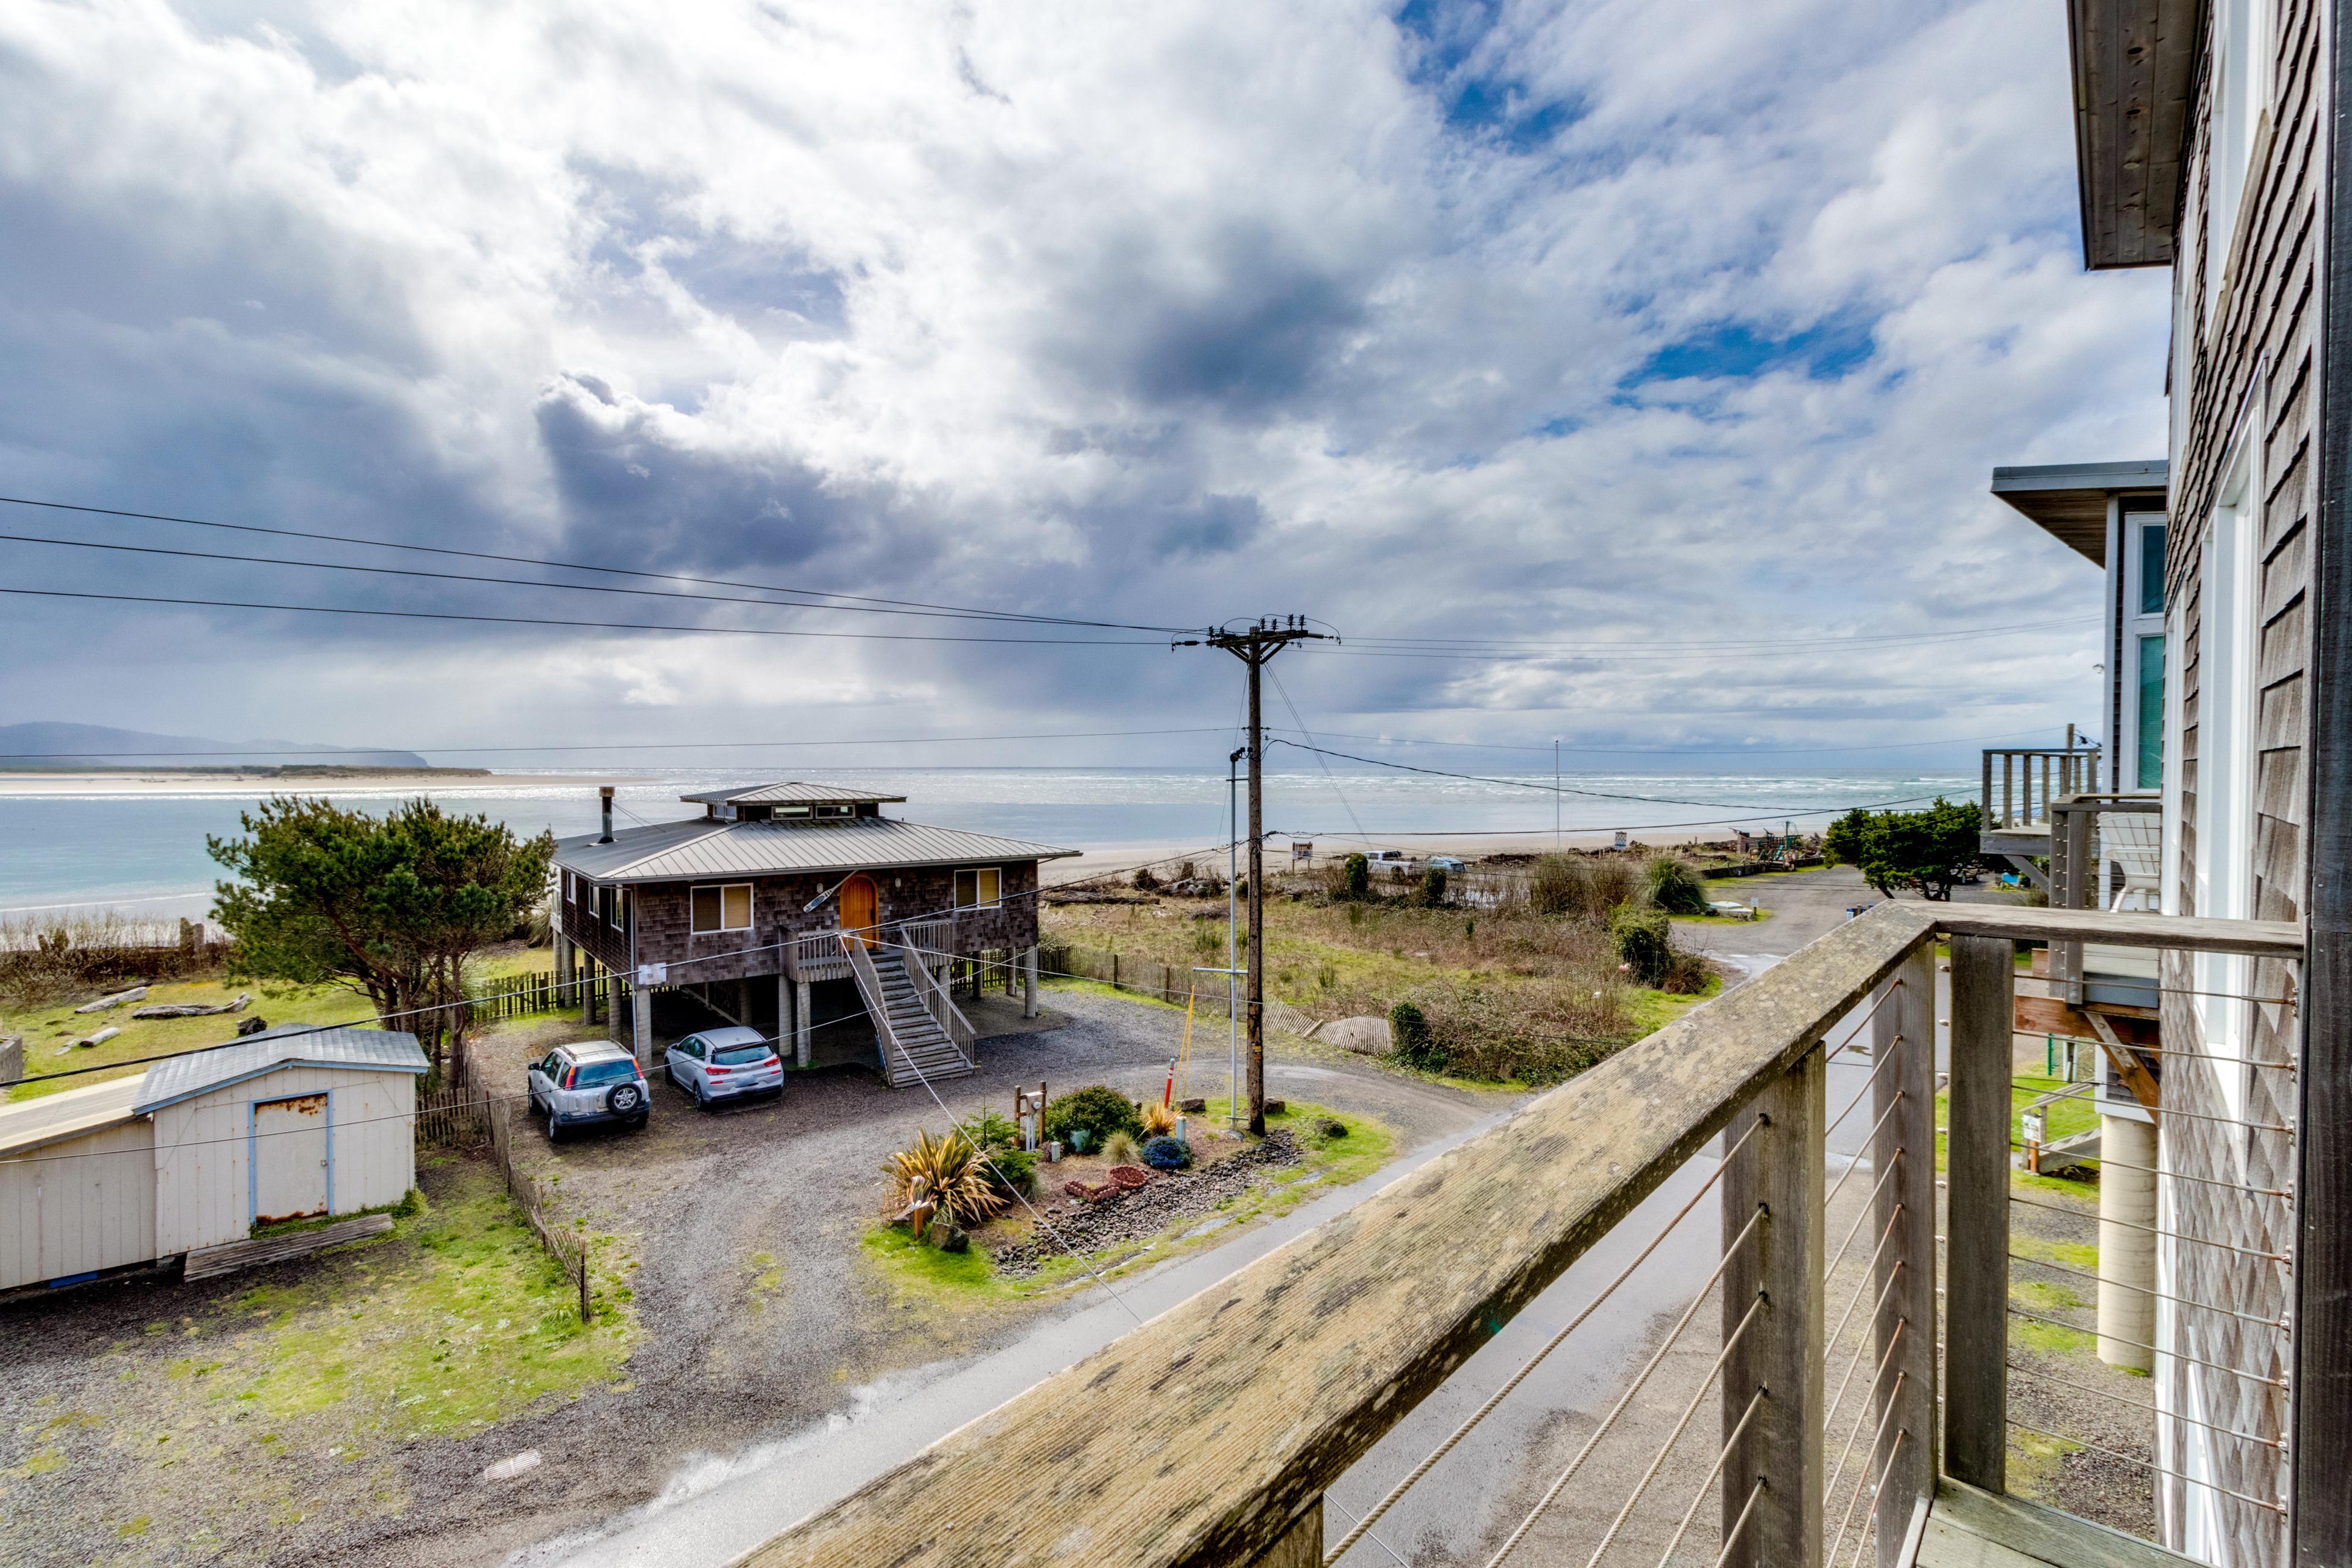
(1903, 1108)
(562, 955)
(801, 1024)
(1976, 1297)
(1029, 981)
(1780, 1172)
(641, 1026)
(586, 996)
(1301, 1545)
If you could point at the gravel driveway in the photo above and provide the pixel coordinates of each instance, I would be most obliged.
(758, 1313)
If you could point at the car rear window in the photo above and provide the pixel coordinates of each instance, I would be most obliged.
(594, 1073)
(737, 1055)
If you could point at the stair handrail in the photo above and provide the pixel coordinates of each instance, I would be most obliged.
(936, 1000)
(877, 1003)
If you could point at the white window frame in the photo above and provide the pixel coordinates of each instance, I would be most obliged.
(976, 873)
(2240, 78)
(750, 907)
(2228, 760)
(2131, 524)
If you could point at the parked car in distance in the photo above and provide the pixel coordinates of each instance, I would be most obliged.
(1447, 863)
(582, 1085)
(724, 1064)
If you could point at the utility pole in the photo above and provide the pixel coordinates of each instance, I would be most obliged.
(1259, 642)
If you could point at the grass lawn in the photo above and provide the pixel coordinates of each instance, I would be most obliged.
(929, 1277)
(49, 1032)
(271, 1401)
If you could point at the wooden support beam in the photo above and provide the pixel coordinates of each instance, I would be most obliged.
(2128, 1067)
(1778, 1174)
(1976, 1297)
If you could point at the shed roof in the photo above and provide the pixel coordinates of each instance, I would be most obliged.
(672, 851)
(69, 1114)
(791, 793)
(2069, 501)
(289, 1045)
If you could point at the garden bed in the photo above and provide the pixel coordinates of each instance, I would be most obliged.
(1140, 1213)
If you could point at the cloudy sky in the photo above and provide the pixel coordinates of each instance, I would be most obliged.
(1646, 324)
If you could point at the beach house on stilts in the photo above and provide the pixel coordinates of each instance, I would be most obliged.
(804, 911)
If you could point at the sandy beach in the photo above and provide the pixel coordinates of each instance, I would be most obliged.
(30, 784)
(1102, 858)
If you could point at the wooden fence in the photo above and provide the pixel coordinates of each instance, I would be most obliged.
(1167, 981)
(469, 1118)
(518, 995)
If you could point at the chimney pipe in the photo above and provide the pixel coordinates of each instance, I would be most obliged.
(604, 798)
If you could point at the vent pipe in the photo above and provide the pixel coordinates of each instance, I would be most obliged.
(605, 799)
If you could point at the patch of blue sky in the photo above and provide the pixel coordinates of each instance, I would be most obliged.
(1738, 349)
(1488, 103)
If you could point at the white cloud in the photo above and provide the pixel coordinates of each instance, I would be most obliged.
(1158, 314)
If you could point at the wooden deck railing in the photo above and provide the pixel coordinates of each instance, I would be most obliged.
(1209, 1434)
(2021, 783)
(936, 1000)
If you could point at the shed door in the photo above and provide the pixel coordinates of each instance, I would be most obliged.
(289, 1158)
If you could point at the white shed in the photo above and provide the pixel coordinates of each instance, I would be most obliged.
(294, 1121)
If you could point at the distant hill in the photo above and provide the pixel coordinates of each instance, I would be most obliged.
(79, 746)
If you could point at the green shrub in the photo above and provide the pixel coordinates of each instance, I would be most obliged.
(1675, 885)
(1411, 1041)
(1356, 874)
(989, 1130)
(1165, 1153)
(1013, 1172)
(1644, 943)
(1433, 887)
(1097, 1111)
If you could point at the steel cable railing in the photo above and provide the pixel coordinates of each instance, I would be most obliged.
(1730, 1343)
(1373, 1515)
(1730, 1441)
(1641, 1379)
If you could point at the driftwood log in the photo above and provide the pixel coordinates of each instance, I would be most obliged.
(195, 1009)
(117, 1000)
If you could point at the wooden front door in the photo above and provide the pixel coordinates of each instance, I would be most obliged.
(860, 907)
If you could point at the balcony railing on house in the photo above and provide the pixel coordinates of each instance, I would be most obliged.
(1215, 1433)
(818, 955)
(2021, 783)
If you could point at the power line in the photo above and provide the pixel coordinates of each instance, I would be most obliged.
(1661, 653)
(1375, 640)
(892, 605)
(1680, 751)
(634, 746)
(578, 626)
(1597, 794)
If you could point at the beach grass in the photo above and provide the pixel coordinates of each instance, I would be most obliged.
(52, 1062)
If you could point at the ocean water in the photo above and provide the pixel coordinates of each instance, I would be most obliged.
(146, 853)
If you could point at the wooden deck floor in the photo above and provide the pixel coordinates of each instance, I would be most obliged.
(1971, 1529)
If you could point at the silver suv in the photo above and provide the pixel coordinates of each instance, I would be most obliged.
(580, 1085)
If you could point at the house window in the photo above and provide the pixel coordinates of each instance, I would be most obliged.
(978, 889)
(2151, 566)
(2150, 760)
(727, 908)
(613, 907)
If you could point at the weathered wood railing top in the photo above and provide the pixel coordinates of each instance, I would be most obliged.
(1201, 1436)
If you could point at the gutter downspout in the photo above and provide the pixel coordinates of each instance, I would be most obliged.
(2322, 1415)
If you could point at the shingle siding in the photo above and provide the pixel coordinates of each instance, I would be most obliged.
(2252, 366)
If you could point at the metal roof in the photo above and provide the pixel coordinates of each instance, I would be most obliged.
(2069, 501)
(69, 1114)
(672, 851)
(289, 1045)
(793, 794)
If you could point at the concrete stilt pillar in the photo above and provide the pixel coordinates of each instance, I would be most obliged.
(587, 997)
(783, 1010)
(801, 1024)
(641, 1027)
(2126, 1253)
(1029, 982)
(619, 1001)
(562, 956)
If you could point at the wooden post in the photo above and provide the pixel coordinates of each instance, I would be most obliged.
(1903, 1108)
(801, 1024)
(1301, 1545)
(1976, 1297)
(1029, 982)
(1985, 800)
(1778, 1172)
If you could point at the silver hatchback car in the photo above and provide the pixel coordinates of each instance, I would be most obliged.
(724, 1064)
(583, 1084)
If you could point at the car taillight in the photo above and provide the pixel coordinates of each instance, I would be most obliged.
(717, 1070)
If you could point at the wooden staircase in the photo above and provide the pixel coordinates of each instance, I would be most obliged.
(916, 1047)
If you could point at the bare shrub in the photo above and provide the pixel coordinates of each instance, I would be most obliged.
(1537, 1031)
